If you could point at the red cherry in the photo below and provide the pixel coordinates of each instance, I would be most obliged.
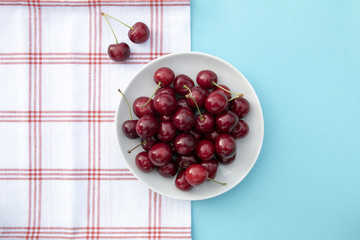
(164, 103)
(180, 81)
(183, 161)
(206, 79)
(183, 119)
(198, 136)
(225, 145)
(139, 33)
(240, 130)
(211, 136)
(181, 183)
(227, 160)
(147, 126)
(140, 111)
(196, 174)
(240, 106)
(160, 154)
(204, 125)
(211, 167)
(199, 95)
(148, 143)
(143, 162)
(168, 170)
(205, 150)
(165, 117)
(119, 52)
(227, 93)
(165, 76)
(166, 131)
(167, 90)
(128, 128)
(226, 121)
(184, 143)
(216, 102)
(182, 102)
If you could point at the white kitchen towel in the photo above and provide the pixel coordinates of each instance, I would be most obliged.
(61, 175)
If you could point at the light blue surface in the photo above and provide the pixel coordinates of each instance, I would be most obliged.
(303, 59)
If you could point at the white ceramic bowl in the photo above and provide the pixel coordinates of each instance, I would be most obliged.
(248, 148)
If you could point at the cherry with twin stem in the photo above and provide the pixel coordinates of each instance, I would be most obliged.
(197, 106)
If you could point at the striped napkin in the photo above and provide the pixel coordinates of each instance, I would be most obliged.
(61, 175)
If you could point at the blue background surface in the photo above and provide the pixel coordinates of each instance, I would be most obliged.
(303, 60)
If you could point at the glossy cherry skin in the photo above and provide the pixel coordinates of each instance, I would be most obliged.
(128, 128)
(226, 121)
(206, 79)
(164, 104)
(160, 154)
(240, 130)
(216, 102)
(165, 118)
(140, 111)
(240, 106)
(211, 167)
(205, 150)
(181, 183)
(211, 136)
(166, 131)
(183, 161)
(119, 52)
(180, 81)
(183, 119)
(205, 125)
(168, 170)
(168, 90)
(182, 102)
(148, 143)
(143, 162)
(196, 174)
(198, 136)
(164, 75)
(227, 94)
(147, 126)
(184, 143)
(225, 145)
(227, 160)
(139, 33)
(199, 95)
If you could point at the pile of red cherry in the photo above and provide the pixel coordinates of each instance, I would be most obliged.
(187, 130)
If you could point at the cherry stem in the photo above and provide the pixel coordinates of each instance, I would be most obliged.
(239, 94)
(151, 95)
(235, 97)
(127, 103)
(142, 143)
(104, 14)
(197, 106)
(216, 181)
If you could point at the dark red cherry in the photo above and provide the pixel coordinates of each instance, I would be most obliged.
(143, 162)
(139, 33)
(146, 110)
(160, 154)
(164, 75)
(199, 95)
(227, 94)
(240, 106)
(148, 143)
(204, 125)
(216, 102)
(168, 170)
(165, 117)
(182, 102)
(206, 79)
(184, 143)
(166, 131)
(180, 81)
(128, 128)
(164, 103)
(196, 174)
(240, 130)
(205, 150)
(181, 183)
(168, 90)
(211, 167)
(183, 119)
(198, 136)
(147, 126)
(119, 52)
(225, 146)
(226, 121)
(183, 161)
(211, 136)
(227, 160)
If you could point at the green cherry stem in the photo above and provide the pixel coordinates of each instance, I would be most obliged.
(127, 103)
(142, 143)
(239, 94)
(151, 95)
(216, 181)
(197, 106)
(104, 15)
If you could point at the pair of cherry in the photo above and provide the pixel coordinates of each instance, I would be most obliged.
(138, 33)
